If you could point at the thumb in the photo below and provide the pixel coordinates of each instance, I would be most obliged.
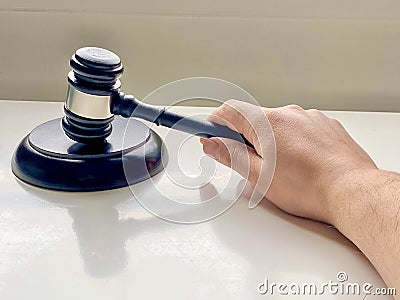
(235, 155)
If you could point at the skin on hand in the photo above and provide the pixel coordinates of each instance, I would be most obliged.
(312, 150)
(321, 173)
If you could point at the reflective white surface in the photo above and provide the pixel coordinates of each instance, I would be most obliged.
(105, 245)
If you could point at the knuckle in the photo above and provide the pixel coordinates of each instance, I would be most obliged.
(314, 112)
(229, 106)
(220, 108)
(294, 107)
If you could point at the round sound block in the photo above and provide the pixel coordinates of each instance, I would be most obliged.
(47, 158)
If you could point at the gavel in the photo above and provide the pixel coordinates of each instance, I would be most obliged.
(94, 98)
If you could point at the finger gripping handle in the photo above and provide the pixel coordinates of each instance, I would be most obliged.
(127, 106)
(199, 127)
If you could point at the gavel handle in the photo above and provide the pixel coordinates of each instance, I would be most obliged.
(127, 106)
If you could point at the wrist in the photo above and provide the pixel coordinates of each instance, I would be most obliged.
(364, 207)
(345, 195)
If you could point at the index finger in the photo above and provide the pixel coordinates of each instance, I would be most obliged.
(242, 117)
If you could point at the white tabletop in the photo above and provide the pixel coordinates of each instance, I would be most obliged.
(105, 245)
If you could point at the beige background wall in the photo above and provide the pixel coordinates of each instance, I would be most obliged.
(328, 54)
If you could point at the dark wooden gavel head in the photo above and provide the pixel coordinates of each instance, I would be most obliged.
(92, 83)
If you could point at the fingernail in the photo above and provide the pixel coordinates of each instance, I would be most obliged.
(211, 148)
(202, 140)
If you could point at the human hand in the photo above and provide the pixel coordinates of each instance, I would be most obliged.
(312, 152)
